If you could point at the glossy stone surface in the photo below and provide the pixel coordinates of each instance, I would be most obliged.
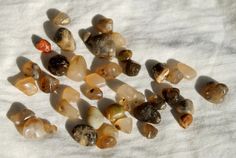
(124, 55)
(185, 120)
(58, 65)
(70, 94)
(94, 117)
(160, 71)
(61, 19)
(31, 69)
(171, 95)
(47, 83)
(93, 93)
(64, 39)
(174, 76)
(131, 68)
(104, 25)
(95, 80)
(85, 135)
(184, 106)
(43, 45)
(114, 112)
(118, 40)
(156, 99)
(19, 117)
(124, 124)
(77, 69)
(147, 130)
(109, 71)
(26, 85)
(66, 109)
(188, 72)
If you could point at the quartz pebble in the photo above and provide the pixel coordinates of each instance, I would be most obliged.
(21, 115)
(118, 40)
(188, 72)
(26, 85)
(43, 45)
(31, 69)
(94, 117)
(104, 25)
(85, 135)
(64, 39)
(95, 80)
(184, 106)
(124, 124)
(124, 55)
(70, 95)
(61, 19)
(114, 112)
(131, 68)
(171, 95)
(147, 130)
(174, 76)
(66, 109)
(58, 65)
(156, 99)
(47, 83)
(109, 71)
(185, 120)
(160, 71)
(93, 93)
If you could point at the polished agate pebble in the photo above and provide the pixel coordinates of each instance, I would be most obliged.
(70, 94)
(124, 124)
(104, 25)
(174, 76)
(94, 117)
(61, 19)
(47, 83)
(26, 85)
(21, 115)
(131, 68)
(160, 71)
(185, 120)
(64, 39)
(109, 71)
(77, 69)
(95, 80)
(214, 92)
(124, 55)
(114, 112)
(66, 109)
(58, 65)
(156, 99)
(147, 130)
(43, 45)
(184, 106)
(171, 95)
(85, 135)
(147, 112)
(31, 69)
(188, 72)
(93, 93)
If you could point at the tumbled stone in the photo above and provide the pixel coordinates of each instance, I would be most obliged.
(85, 135)
(114, 112)
(43, 45)
(109, 71)
(131, 68)
(93, 93)
(160, 71)
(77, 69)
(61, 19)
(184, 106)
(86, 36)
(31, 69)
(118, 40)
(147, 112)
(156, 99)
(70, 94)
(124, 124)
(147, 130)
(58, 65)
(64, 39)
(95, 80)
(107, 136)
(188, 72)
(66, 109)
(185, 120)
(104, 25)
(47, 83)
(94, 117)
(26, 85)
(214, 92)
(171, 95)
(20, 116)
(124, 55)
(174, 76)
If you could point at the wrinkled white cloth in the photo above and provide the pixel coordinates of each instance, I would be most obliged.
(201, 33)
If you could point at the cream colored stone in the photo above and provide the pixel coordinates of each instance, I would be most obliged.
(188, 72)
(95, 80)
(94, 117)
(27, 85)
(66, 109)
(124, 124)
(70, 94)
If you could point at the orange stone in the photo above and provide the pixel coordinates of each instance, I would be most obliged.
(43, 45)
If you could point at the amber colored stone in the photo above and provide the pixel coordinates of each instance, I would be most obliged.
(47, 83)
(171, 95)
(48, 127)
(188, 72)
(214, 92)
(107, 136)
(58, 65)
(174, 76)
(147, 130)
(61, 19)
(184, 106)
(86, 36)
(131, 68)
(84, 134)
(185, 120)
(66, 109)
(93, 93)
(65, 40)
(114, 112)
(118, 40)
(20, 116)
(94, 117)
(77, 69)
(31, 69)
(160, 71)
(124, 124)
(156, 99)
(124, 55)
(43, 45)
(104, 25)
(95, 80)
(70, 94)
(109, 71)
(26, 85)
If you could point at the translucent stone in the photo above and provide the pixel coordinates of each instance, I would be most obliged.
(70, 94)
(47, 83)
(20, 116)
(95, 80)
(185, 120)
(44, 46)
(174, 76)
(185, 106)
(65, 40)
(94, 117)
(119, 40)
(131, 68)
(107, 136)
(148, 130)
(124, 124)
(214, 92)
(85, 135)
(109, 71)
(58, 65)
(86, 36)
(31, 69)
(156, 99)
(61, 19)
(188, 72)
(66, 109)
(171, 95)
(147, 112)
(124, 55)
(77, 69)
(93, 93)
(104, 25)
(114, 112)
(26, 85)
(160, 71)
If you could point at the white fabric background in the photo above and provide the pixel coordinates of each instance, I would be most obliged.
(201, 33)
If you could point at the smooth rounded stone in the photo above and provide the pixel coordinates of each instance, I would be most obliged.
(109, 71)
(77, 69)
(43, 45)
(93, 93)
(64, 39)
(214, 92)
(114, 112)
(48, 127)
(174, 76)
(160, 71)
(188, 72)
(131, 68)
(58, 65)
(31, 69)
(185, 120)
(104, 25)
(70, 94)
(171, 95)
(61, 19)
(184, 106)
(66, 109)
(119, 40)
(86, 36)
(124, 55)
(85, 135)
(48, 83)
(20, 116)
(147, 130)
(107, 136)
(26, 85)
(94, 117)
(156, 99)
(147, 112)
(95, 80)
(124, 124)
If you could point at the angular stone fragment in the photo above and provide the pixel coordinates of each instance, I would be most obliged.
(131, 68)
(66, 109)
(174, 76)
(70, 94)
(26, 85)
(184, 106)
(109, 71)
(95, 80)
(188, 72)
(61, 19)
(114, 112)
(104, 25)
(64, 39)
(94, 117)
(47, 83)
(124, 124)
(58, 65)
(93, 93)
(171, 95)
(160, 71)
(44, 46)
(185, 120)
(147, 130)
(124, 55)
(31, 69)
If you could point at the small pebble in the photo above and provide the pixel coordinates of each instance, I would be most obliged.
(131, 68)
(44, 46)
(58, 65)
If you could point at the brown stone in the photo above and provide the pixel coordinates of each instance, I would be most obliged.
(31, 69)
(58, 65)
(104, 25)
(93, 93)
(109, 71)
(160, 71)
(147, 130)
(130, 67)
(114, 112)
(26, 85)
(185, 120)
(47, 83)
(124, 55)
